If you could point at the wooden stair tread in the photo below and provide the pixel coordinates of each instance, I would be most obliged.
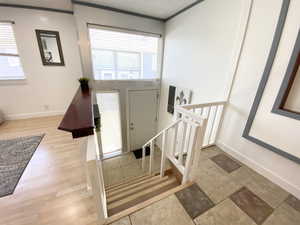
(128, 181)
(135, 199)
(130, 190)
(138, 194)
(133, 180)
(131, 186)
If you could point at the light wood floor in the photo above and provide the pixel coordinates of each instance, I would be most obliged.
(52, 188)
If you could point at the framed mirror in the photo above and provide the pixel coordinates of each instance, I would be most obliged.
(50, 47)
(287, 102)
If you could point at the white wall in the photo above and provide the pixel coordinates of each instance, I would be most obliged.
(47, 90)
(258, 40)
(85, 15)
(200, 46)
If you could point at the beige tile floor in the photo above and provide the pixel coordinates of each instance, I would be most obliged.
(219, 185)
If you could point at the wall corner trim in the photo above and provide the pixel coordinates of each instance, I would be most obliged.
(183, 10)
(98, 6)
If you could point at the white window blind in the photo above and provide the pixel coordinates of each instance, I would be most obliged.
(122, 56)
(10, 65)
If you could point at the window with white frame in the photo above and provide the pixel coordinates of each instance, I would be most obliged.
(10, 65)
(118, 55)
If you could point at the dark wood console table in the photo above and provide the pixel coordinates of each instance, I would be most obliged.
(79, 118)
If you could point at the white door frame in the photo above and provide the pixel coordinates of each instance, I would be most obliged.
(127, 110)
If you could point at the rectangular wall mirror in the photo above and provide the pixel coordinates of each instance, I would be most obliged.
(50, 48)
(288, 100)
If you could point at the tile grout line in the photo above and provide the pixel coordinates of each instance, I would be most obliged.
(281, 203)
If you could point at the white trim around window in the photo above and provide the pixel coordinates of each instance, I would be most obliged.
(10, 62)
(142, 76)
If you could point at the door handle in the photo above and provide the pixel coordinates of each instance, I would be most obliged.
(131, 127)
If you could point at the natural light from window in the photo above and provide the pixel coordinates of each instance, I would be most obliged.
(10, 65)
(123, 56)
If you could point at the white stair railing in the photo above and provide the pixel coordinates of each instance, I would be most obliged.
(195, 127)
(151, 144)
(211, 111)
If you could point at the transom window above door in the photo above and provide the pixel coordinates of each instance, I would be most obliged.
(118, 55)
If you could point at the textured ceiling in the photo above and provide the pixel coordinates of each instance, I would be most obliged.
(155, 8)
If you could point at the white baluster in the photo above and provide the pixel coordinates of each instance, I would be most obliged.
(220, 118)
(151, 156)
(208, 112)
(144, 157)
(186, 140)
(190, 154)
(163, 154)
(213, 125)
(180, 152)
(201, 111)
(209, 127)
(174, 140)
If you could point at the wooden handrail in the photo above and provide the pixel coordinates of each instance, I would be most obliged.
(161, 132)
(195, 106)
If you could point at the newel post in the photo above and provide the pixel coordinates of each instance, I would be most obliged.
(197, 150)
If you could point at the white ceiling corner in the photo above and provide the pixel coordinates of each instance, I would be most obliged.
(156, 8)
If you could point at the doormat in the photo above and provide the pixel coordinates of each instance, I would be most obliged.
(139, 152)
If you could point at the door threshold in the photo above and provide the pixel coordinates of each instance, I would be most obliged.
(111, 154)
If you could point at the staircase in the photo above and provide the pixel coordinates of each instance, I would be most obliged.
(195, 127)
(128, 194)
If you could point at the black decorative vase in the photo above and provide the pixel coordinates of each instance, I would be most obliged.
(84, 86)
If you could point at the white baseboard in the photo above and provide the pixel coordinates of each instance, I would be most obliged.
(33, 115)
(261, 169)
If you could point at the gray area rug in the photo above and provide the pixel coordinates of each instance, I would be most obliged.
(15, 154)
